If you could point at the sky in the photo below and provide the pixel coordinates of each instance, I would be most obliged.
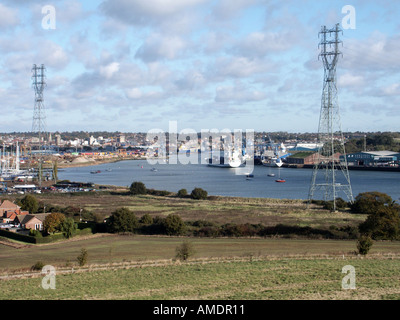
(138, 65)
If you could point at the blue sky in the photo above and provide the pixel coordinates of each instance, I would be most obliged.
(135, 65)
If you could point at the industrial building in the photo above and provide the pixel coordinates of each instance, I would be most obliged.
(373, 158)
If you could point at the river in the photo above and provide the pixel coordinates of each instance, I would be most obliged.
(223, 181)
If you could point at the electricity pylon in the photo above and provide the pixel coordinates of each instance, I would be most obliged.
(39, 118)
(331, 162)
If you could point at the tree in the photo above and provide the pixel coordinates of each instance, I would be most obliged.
(382, 224)
(146, 219)
(198, 194)
(68, 227)
(182, 193)
(137, 188)
(53, 222)
(29, 203)
(369, 202)
(185, 250)
(174, 225)
(122, 220)
(55, 171)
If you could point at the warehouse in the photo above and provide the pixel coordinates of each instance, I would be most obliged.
(373, 158)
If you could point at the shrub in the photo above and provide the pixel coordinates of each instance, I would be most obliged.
(146, 219)
(364, 244)
(182, 193)
(368, 202)
(138, 188)
(157, 227)
(35, 233)
(184, 251)
(37, 266)
(340, 204)
(382, 224)
(209, 231)
(82, 258)
(174, 225)
(122, 220)
(199, 194)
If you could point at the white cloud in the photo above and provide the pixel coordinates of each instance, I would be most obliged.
(238, 93)
(9, 17)
(109, 70)
(139, 12)
(159, 47)
(349, 80)
(239, 67)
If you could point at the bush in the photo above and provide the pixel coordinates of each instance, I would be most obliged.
(37, 266)
(182, 193)
(199, 194)
(146, 219)
(382, 224)
(160, 193)
(174, 225)
(122, 220)
(340, 204)
(157, 227)
(82, 258)
(185, 250)
(369, 202)
(35, 233)
(364, 244)
(209, 231)
(137, 188)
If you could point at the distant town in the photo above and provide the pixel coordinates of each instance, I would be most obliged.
(24, 157)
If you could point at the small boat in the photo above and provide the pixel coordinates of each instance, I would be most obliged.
(153, 169)
(95, 171)
(271, 175)
(109, 170)
(280, 180)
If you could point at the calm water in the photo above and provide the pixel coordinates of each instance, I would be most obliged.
(223, 181)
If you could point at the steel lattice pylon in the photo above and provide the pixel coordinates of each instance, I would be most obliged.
(330, 175)
(39, 118)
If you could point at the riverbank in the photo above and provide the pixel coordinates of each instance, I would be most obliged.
(355, 168)
(87, 162)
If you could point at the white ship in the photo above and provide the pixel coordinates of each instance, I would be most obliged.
(273, 162)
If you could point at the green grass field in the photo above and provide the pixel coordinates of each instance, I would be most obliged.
(284, 279)
(118, 248)
(144, 267)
